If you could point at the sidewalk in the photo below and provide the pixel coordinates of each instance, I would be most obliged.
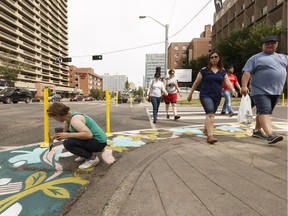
(239, 175)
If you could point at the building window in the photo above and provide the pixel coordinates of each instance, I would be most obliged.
(175, 63)
(242, 25)
(242, 7)
(176, 48)
(252, 18)
(176, 56)
(184, 48)
(184, 56)
(278, 23)
(264, 10)
(278, 2)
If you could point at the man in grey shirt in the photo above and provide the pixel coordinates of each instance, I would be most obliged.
(267, 73)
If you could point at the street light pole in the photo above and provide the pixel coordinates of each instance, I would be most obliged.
(166, 41)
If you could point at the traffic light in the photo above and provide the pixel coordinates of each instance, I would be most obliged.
(97, 57)
(67, 59)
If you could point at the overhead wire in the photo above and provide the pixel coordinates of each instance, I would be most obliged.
(152, 44)
(191, 19)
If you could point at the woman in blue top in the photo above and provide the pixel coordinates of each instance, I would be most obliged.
(211, 78)
(82, 135)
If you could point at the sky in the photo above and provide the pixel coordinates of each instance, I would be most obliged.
(112, 28)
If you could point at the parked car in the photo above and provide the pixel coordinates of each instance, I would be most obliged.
(89, 99)
(12, 94)
(76, 98)
(54, 97)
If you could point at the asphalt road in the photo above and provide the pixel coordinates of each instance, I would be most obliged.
(22, 123)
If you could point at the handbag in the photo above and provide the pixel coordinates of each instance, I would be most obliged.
(149, 99)
(245, 114)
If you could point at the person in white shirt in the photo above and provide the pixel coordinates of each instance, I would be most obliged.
(172, 88)
(155, 90)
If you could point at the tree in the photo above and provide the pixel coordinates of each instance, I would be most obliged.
(9, 68)
(240, 45)
(127, 86)
(97, 94)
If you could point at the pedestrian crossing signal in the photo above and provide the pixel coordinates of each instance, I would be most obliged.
(97, 57)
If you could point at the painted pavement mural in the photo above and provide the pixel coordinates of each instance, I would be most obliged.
(34, 182)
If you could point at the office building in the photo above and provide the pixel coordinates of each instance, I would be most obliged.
(151, 62)
(114, 83)
(35, 32)
(200, 46)
(177, 55)
(237, 14)
(82, 80)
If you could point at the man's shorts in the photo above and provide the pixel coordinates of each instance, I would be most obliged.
(170, 98)
(265, 104)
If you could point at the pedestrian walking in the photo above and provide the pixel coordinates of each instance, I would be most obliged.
(211, 78)
(267, 72)
(171, 86)
(82, 135)
(155, 90)
(228, 94)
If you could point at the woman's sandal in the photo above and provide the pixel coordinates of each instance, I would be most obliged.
(211, 140)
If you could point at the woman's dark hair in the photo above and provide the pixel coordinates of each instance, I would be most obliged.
(219, 65)
(57, 109)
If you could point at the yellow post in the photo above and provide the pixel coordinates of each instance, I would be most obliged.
(45, 144)
(283, 100)
(131, 100)
(108, 133)
(116, 99)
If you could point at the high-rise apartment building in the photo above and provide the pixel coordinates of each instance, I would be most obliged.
(114, 82)
(237, 14)
(35, 32)
(151, 62)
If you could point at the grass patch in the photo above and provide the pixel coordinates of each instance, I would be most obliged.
(196, 102)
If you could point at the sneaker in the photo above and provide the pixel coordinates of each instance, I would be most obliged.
(223, 113)
(274, 139)
(259, 134)
(154, 121)
(232, 114)
(79, 159)
(89, 163)
(176, 117)
(167, 116)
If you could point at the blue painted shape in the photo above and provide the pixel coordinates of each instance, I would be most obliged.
(30, 157)
(229, 128)
(126, 142)
(186, 130)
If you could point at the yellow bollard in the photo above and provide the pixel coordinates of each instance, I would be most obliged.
(108, 133)
(283, 100)
(131, 100)
(45, 144)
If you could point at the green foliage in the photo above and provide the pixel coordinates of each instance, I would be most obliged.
(9, 68)
(97, 94)
(241, 44)
(196, 65)
(127, 85)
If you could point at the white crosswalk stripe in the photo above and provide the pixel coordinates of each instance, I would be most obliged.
(187, 113)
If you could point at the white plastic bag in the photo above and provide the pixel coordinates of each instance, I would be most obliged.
(245, 114)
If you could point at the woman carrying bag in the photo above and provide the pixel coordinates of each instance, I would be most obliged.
(154, 92)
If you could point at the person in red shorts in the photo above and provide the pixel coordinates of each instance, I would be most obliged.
(228, 94)
(172, 88)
